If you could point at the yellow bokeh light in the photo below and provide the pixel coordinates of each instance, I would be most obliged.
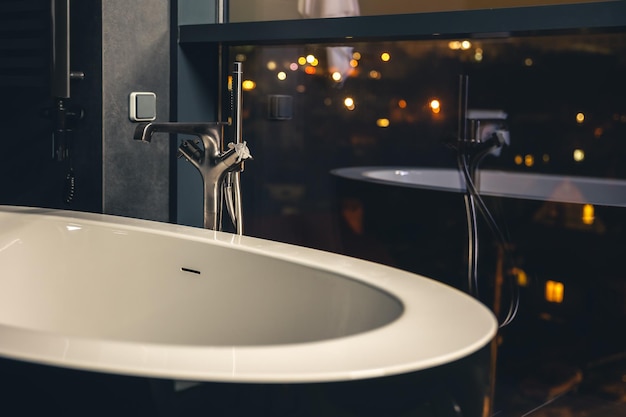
(579, 155)
(348, 102)
(554, 291)
(315, 62)
(248, 85)
(382, 123)
(310, 58)
(271, 65)
(435, 105)
(385, 57)
(376, 75)
(456, 45)
(354, 63)
(336, 76)
(529, 160)
(282, 75)
(528, 62)
(302, 60)
(518, 160)
(356, 55)
(580, 117)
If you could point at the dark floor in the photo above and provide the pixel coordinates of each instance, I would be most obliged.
(565, 391)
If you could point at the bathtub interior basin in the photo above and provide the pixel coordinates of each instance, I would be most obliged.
(520, 185)
(135, 297)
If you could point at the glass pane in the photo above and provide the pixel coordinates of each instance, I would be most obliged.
(263, 10)
(312, 108)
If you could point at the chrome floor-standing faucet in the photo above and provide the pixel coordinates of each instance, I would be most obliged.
(219, 168)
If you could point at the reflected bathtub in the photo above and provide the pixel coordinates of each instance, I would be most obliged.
(518, 185)
(419, 217)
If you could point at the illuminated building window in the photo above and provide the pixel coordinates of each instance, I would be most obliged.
(554, 291)
(588, 216)
(520, 276)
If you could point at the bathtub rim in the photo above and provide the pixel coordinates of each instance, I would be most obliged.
(334, 359)
(492, 182)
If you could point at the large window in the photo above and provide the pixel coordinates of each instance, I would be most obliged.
(263, 10)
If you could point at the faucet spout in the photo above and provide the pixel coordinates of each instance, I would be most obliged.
(210, 133)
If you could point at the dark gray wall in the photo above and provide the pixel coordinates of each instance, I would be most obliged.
(136, 57)
(121, 47)
(29, 174)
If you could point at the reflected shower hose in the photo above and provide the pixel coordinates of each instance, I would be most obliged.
(472, 200)
(468, 160)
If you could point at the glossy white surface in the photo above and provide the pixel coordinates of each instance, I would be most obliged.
(135, 297)
(544, 187)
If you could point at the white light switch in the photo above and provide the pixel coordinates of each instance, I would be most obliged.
(142, 106)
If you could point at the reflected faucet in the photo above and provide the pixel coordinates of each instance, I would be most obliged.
(213, 163)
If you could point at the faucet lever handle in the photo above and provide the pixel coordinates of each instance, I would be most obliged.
(241, 149)
(190, 150)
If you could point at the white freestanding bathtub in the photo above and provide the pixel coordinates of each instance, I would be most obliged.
(133, 297)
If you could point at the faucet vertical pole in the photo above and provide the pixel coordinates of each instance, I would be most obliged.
(221, 11)
(237, 120)
(238, 102)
